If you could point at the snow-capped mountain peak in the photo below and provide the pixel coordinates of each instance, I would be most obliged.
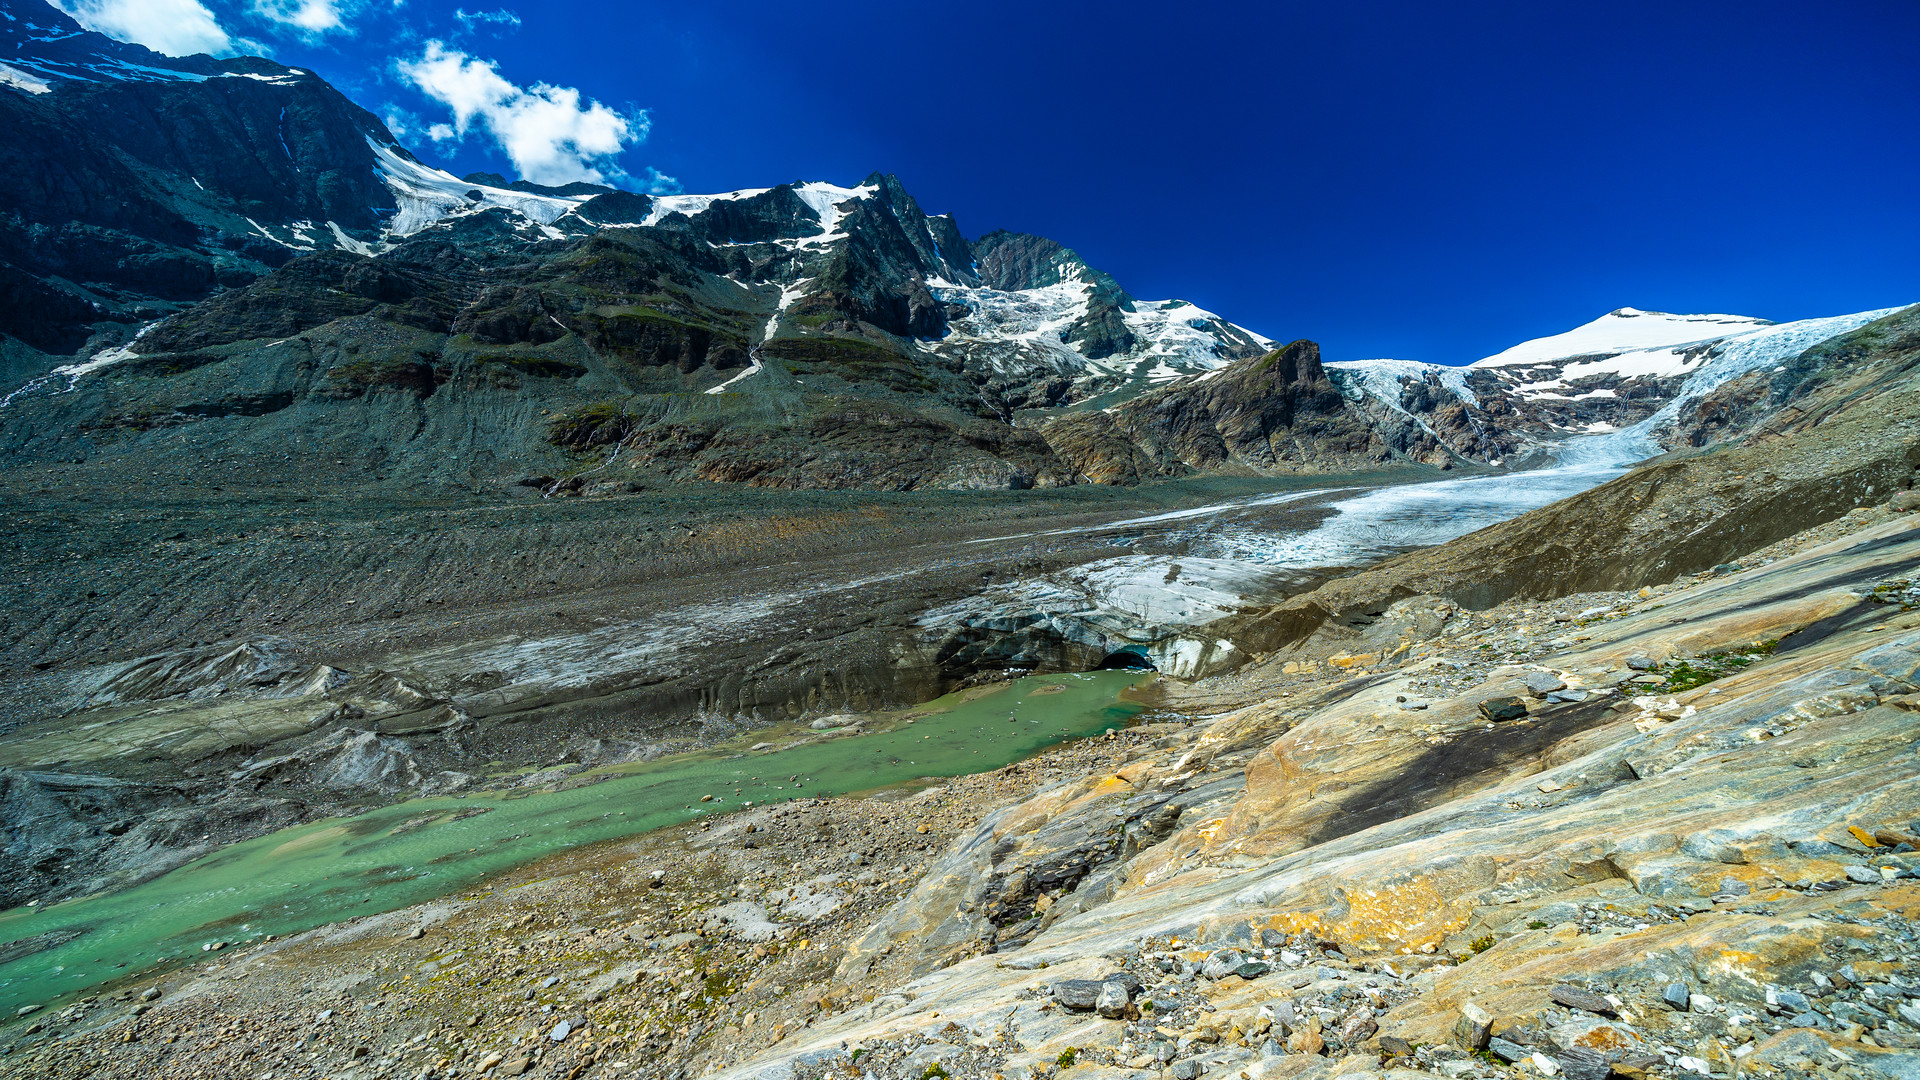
(1629, 371)
(1623, 330)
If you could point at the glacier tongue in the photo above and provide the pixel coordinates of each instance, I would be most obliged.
(1383, 378)
(1600, 398)
(1726, 360)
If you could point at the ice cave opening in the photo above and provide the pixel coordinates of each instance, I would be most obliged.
(1131, 658)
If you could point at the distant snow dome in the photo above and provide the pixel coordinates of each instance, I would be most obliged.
(1624, 330)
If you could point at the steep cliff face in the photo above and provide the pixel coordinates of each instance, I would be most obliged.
(293, 273)
(1274, 413)
(132, 183)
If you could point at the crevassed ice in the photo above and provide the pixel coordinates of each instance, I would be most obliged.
(1739, 355)
(1382, 378)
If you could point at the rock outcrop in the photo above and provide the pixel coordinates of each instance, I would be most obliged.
(1552, 877)
(1273, 413)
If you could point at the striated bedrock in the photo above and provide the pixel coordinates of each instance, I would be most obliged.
(1274, 413)
(1447, 859)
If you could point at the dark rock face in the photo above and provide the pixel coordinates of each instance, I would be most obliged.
(127, 188)
(616, 208)
(1275, 413)
(1021, 261)
(771, 215)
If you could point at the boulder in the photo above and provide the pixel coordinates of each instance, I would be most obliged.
(1474, 1027)
(1585, 1000)
(1080, 994)
(1503, 708)
(1222, 964)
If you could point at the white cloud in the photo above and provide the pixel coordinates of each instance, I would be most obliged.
(504, 19)
(548, 132)
(311, 18)
(655, 182)
(173, 27)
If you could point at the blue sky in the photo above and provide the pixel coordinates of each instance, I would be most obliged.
(1408, 179)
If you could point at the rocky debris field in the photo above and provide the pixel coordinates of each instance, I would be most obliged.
(1687, 850)
(1055, 919)
(210, 670)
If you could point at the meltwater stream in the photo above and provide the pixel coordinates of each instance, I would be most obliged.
(412, 852)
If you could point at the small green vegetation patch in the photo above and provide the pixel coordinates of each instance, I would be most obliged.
(1900, 591)
(356, 377)
(935, 1070)
(601, 423)
(1067, 1058)
(1701, 670)
(538, 366)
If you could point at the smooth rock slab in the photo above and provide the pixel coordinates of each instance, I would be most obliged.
(1542, 683)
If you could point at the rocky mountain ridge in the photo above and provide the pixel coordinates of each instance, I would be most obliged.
(1643, 372)
(294, 275)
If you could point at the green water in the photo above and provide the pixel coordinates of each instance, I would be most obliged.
(330, 870)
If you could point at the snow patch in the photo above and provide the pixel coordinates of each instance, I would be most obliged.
(73, 373)
(358, 247)
(825, 200)
(20, 80)
(426, 195)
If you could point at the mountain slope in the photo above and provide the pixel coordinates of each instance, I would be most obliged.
(1526, 410)
(1276, 413)
(133, 183)
(1634, 370)
(295, 275)
(431, 328)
